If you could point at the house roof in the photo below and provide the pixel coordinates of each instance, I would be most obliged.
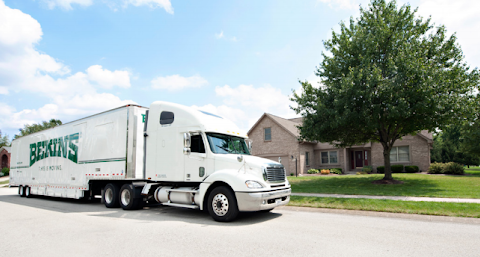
(290, 125)
(8, 148)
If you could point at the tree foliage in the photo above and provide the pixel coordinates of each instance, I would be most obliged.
(471, 133)
(29, 129)
(447, 147)
(385, 75)
(4, 140)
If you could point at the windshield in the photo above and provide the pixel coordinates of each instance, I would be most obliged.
(225, 144)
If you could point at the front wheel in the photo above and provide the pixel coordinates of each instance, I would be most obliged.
(222, 204)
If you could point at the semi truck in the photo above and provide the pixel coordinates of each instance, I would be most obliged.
(168, 153)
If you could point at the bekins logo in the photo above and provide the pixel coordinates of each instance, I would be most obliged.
(58, 147)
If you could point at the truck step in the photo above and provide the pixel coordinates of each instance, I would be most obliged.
(182, 205)
(182, 190)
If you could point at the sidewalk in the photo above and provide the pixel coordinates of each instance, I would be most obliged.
(399, 198)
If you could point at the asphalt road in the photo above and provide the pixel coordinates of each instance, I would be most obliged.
(45, 226)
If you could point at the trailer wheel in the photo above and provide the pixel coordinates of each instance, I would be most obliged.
(28, 192)
(222, 204)
(110, 196)
(130, 197)
(21, 191)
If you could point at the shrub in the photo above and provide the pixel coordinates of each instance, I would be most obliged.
(436, 168)
(411, 169)
(291, 174)
(381, 169)
(312, 171)
(396, 168)
(325, 171)
(336, 171)
(453, 168)
(367, 169)
(362, 173)
(6, 171)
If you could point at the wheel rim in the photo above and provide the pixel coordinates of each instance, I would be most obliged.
(220, 204)
(20, 190)
(109, 195)
(27, 191)
(126, 197)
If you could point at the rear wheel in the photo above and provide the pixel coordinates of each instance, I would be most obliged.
(110, 196)
(222, 204)
(28, 194)
(21, 191)
(130, 197)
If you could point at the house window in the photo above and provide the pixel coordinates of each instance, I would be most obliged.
(400, 154)
(307, 159)
(268, 134)
(329, 157)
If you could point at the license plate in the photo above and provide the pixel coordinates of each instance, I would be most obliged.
(278, 201)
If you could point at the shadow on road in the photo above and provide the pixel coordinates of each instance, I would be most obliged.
(150, 213)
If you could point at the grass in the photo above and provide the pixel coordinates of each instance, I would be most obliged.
(4, 182)
(474, 171)
(448, 186)
(471, 210)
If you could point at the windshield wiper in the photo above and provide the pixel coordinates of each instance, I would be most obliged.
(224, 148)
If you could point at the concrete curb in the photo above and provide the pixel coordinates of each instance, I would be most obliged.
(398, 198)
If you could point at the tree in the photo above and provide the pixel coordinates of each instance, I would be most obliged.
(471, 133)
(385, 75)
(447, 147)
(29, 129)
(4, 140)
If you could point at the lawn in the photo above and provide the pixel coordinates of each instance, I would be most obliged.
(448, 186)
(4, 182)
(427, 208)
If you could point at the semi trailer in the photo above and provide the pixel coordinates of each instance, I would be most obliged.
(168, 153)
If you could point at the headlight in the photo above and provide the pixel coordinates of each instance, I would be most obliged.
(253, 184)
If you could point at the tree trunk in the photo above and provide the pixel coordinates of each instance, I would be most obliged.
(386, 158)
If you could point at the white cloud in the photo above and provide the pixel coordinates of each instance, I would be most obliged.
(245, 104)
(108, 79)
(219, 35)
(177, 82)
(24, 69)
(165, 4)
(67, 4)
(342, 4)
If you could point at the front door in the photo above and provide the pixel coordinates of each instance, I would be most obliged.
(358, 158)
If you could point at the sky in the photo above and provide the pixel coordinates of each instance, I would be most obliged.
(67, 59)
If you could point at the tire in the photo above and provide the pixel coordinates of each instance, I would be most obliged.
(110, 196)
(21, 191)
(130, 197)
(222, 204)
(28, 192)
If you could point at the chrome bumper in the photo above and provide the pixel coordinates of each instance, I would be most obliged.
(262, 200)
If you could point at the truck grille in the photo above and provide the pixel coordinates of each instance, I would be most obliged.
(275, 174)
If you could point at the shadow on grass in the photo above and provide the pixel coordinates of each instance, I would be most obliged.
(362, 185)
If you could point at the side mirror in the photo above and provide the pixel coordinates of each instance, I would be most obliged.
(250, 146)
(187, 142)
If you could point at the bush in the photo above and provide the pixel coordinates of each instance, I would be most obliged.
(381, 169)
(336, 171)
(6, 171)
(325, 171)
(397, 168)
(411, 169)
(312, 171)
(453, 168)
(436, 168)
(291, 174)
(367, 169)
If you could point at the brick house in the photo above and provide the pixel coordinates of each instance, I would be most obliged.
(5, 153)
(273, 137)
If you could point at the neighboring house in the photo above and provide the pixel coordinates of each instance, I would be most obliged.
(5, 153)
(273, 137)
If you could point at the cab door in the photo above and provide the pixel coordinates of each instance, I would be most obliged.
(196, 163)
